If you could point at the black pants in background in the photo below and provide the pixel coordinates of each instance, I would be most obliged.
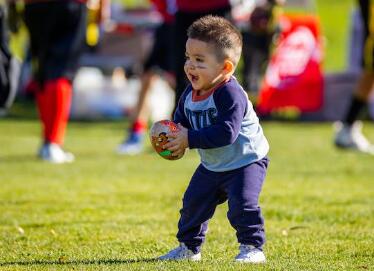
(57, 33)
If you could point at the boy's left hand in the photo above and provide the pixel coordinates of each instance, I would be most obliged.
(179, 141)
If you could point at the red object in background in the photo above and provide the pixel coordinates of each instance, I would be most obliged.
(54, 101)
(124, 28)
(293, 77)
(31, 88)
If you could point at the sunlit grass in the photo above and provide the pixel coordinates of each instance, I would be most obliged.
(117, 213)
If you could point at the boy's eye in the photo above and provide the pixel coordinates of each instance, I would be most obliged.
(199, 60)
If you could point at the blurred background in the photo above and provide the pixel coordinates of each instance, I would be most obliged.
(107, 86)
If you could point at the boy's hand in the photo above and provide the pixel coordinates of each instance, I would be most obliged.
(179, 141)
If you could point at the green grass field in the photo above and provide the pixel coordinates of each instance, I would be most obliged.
(106, 212)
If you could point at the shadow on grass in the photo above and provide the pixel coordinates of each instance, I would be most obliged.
(79, 262)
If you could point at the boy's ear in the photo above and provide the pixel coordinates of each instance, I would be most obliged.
(228, 66)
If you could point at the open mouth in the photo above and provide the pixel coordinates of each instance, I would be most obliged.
(194, 78)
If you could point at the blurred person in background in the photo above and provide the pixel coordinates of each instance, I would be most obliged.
(258, 37)
(9, 65)
(348, 134)
(187, 12)
(168, 54)
(57, 31)
(158, 63)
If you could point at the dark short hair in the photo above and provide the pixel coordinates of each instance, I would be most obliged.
(220, 33)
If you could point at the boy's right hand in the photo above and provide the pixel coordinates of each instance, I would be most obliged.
(179, 142)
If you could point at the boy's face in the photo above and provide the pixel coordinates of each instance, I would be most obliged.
(202, 67)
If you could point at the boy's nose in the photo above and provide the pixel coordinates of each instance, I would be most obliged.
(190, 65)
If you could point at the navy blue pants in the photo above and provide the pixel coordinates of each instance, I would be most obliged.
(241, 187)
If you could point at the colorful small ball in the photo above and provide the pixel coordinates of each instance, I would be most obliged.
(158, 136)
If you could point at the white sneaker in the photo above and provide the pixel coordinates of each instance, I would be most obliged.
(53, 153)
(130, 148)
(250, 254)
(132, 145)
(181, 253)
(351, 137)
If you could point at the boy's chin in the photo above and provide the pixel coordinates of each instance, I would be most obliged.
(196, 87)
